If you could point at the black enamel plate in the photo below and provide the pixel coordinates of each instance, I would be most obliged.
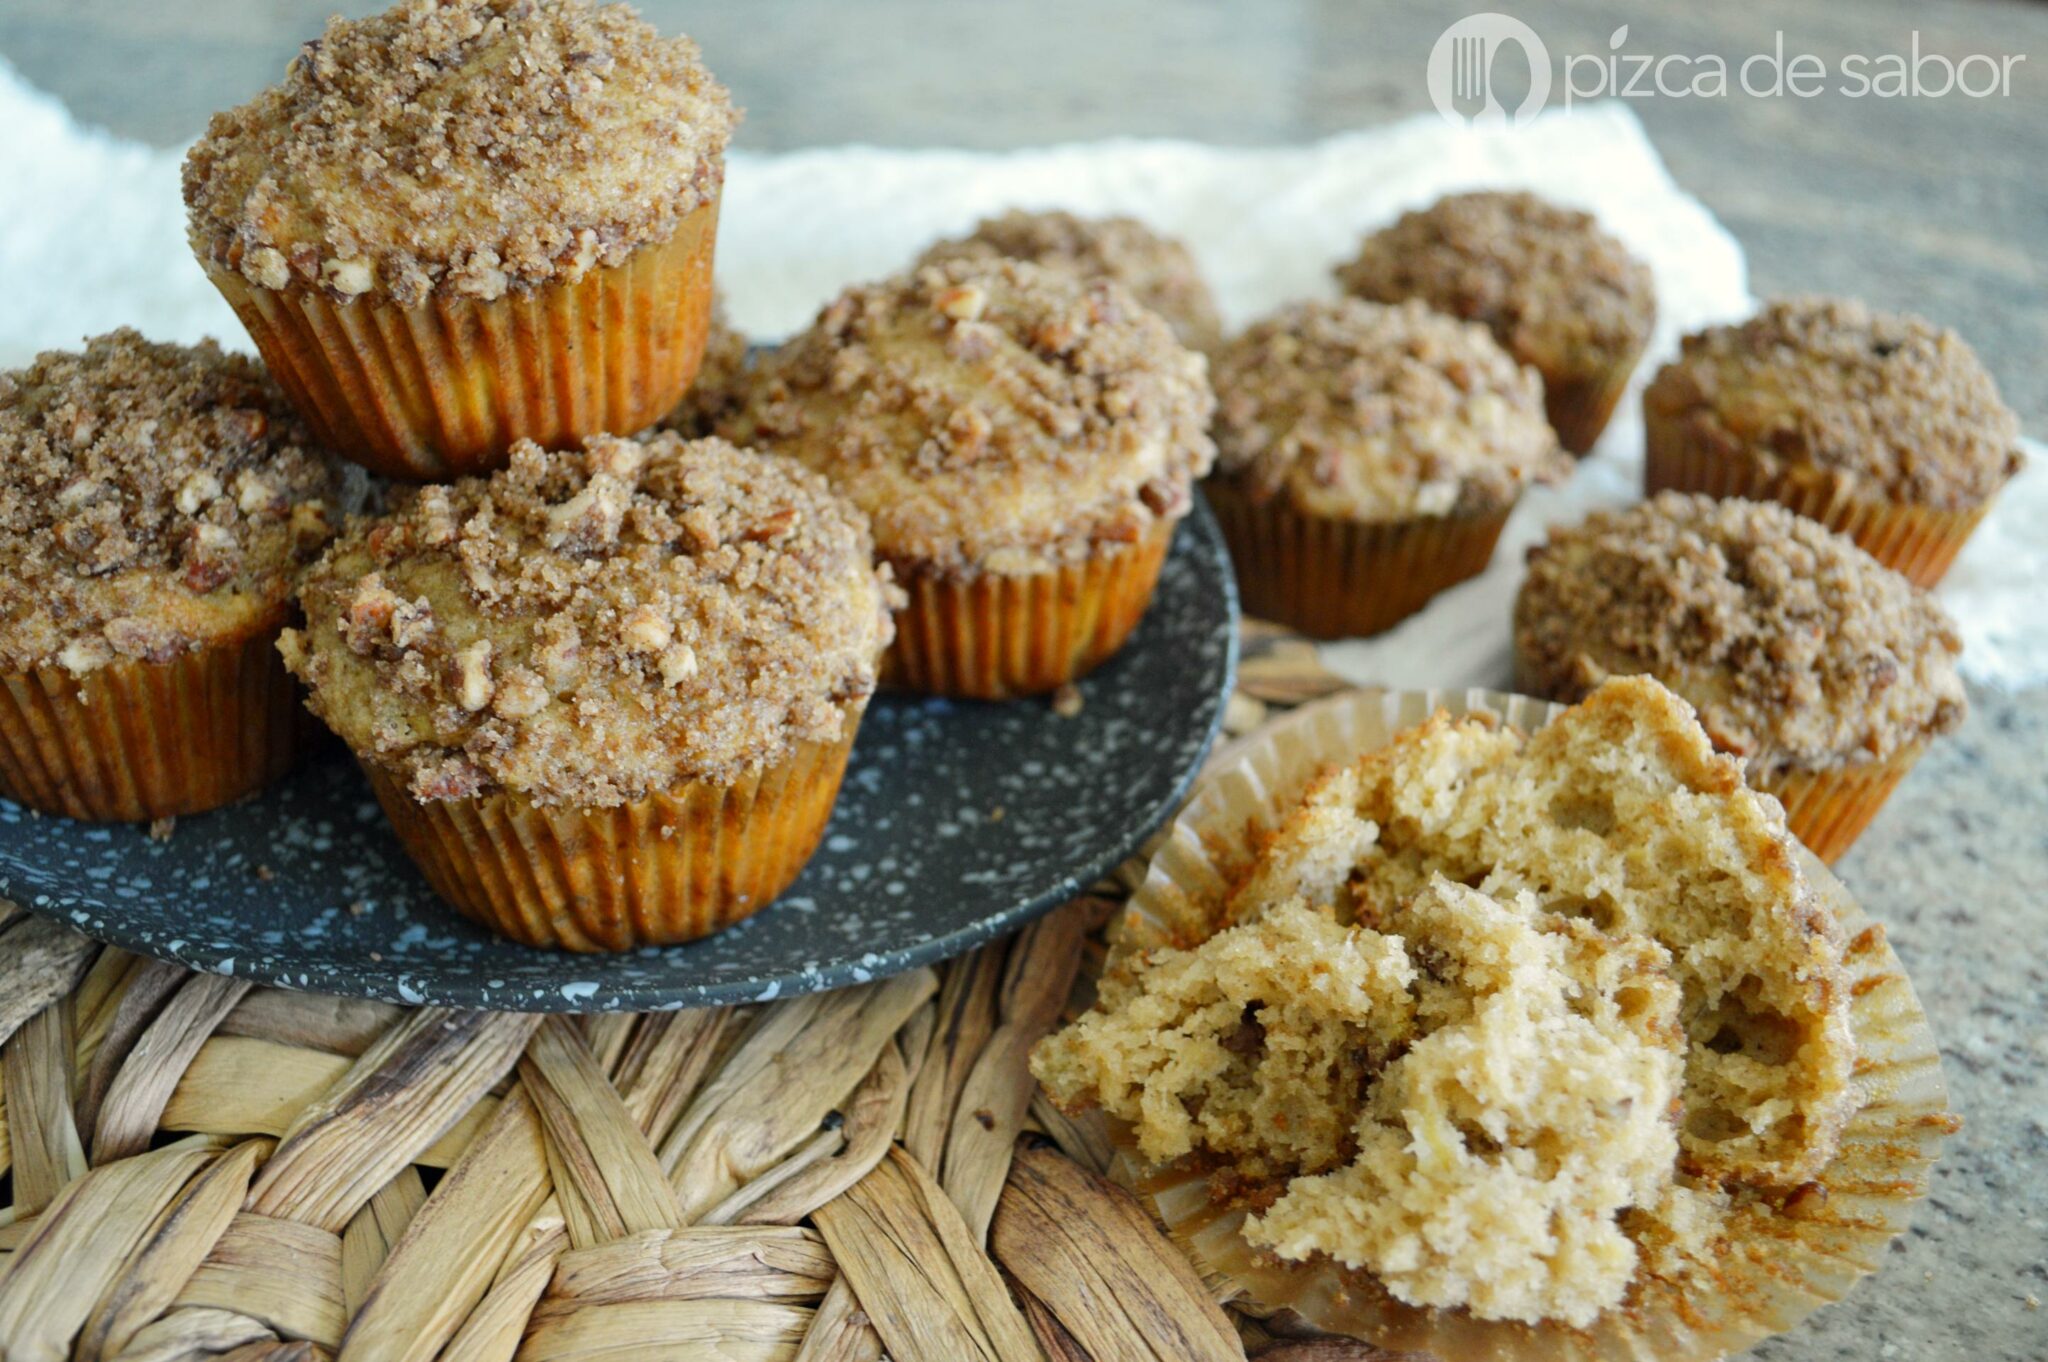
(957, 821)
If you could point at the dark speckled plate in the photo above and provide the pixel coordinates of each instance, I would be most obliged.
(957, 821)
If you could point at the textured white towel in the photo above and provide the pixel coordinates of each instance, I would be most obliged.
(92, 237)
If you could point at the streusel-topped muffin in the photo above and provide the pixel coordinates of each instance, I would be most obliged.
(1025, 443)
(1556, 290)
(1159, 270)
(678, 637)
(463, 153)
(1505, 1023)
(157, 506)
(1351, 435)
(1802, 653)
(1881, 425)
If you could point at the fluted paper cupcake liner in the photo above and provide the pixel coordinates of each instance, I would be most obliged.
(136, 740)
(1580, 408)
(1828, 810)
(1921, 542)
(446, 387)
(991, 637)
(671, 867)
(1773, 1273)
(1331, 578)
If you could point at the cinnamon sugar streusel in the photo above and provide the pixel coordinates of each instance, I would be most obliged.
(1887, 400)
(1364, 412)
(587, 628)
(1798, 648)
(1553, 288)
(156, 498)
(1158, 269)
(990, 416)
(467, 145)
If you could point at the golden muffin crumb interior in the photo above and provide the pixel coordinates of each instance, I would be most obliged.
(1159, 270)
(1798, 649)
(467, 145)
(1494, 1017)
(1898, 405)
(991, 416)
(156, 498)
(590, 627)
(1363, 412)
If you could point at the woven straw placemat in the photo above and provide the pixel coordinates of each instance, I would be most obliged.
(197, 1168)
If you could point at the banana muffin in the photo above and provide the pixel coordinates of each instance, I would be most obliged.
(1159, 270)
(1367, 458)
(462, 223)
(1556, 290)
(1024, 441)
(1826, 671)
(606, 696)
(1502, 1023)
(158, 504)
(720, 384)
(1880, 425)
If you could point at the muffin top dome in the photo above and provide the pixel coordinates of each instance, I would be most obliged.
(1884, 400)
(1158, 269)
(466, 145)
(591, 627)
(990, 416)
(1798, 648)
(1363, 412)
(1552, 287)
(156, 498)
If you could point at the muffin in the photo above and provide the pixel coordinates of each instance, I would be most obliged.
(1489, 1039)
(1158, 270)
(1879, 425)
(1367, 458)
(158, 503)
(720, 384)
(605, 696)
(1825, 671)
(1024, 441)
(463, 223)
(1558, 292)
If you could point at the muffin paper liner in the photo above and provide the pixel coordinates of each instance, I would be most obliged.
(139, 740)
(1828, 810)
(1331, 578)
(670, 867)
(1918, 541)
(991, 637)
(1580, 408)
(446, 387)
(1831, 1233)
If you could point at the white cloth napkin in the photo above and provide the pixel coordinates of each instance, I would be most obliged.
(92, 237)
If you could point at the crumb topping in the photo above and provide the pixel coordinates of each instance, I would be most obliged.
(990, 416)
(471, 146)
(1554, 288)
(592, 627)
(720, 385)
(1367, 412)
(157, 498)
(1798, 648)
(1879, 398)
(1159, 270)
(1500, 1019)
